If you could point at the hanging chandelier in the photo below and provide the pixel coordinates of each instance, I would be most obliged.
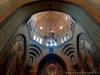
(51, 41)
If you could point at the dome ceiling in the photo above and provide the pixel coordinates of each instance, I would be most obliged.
(51, 21)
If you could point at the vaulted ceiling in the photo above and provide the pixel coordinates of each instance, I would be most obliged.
(51, 21)
(8, 6)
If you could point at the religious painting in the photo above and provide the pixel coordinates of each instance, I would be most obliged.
(88, 53)
(14, 56)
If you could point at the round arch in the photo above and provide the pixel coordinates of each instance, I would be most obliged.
(51, 59)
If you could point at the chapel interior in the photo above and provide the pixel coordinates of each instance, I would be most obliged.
(49, 37)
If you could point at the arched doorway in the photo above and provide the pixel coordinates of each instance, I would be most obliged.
(52, 64)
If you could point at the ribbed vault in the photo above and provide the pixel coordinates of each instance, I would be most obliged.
(51, 21)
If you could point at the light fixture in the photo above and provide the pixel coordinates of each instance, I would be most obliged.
(41, 28)
(47, 44)
(50, 39)
(66, 17)
(61, 27)
(55, 44)
(35, 18)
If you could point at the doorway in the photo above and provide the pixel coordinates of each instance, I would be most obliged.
(52, 64)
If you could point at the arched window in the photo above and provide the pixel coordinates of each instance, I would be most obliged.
(37, 39)
(65, 39)
(30, 61)
(72, 58)
(40, 41)
(34, 38)
(62, 40)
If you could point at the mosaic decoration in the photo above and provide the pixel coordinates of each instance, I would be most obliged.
(13, 56)
(88, 54)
